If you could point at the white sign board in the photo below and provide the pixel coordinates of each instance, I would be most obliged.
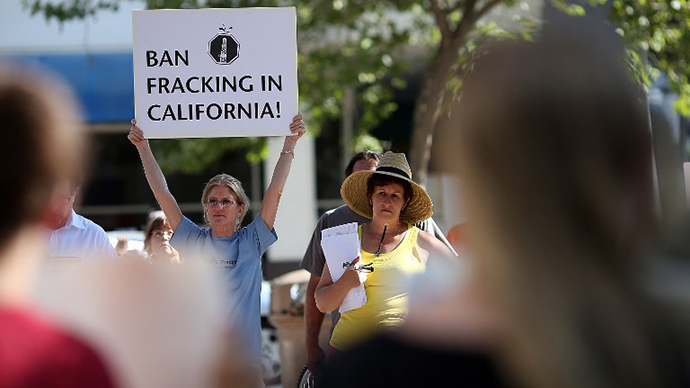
(215, 72)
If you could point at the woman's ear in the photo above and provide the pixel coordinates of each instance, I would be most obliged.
(240, 216)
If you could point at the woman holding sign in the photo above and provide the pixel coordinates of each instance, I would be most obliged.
(391, 250)
(237, 251)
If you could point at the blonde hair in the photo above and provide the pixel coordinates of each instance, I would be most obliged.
(555, 154)
(235, 187)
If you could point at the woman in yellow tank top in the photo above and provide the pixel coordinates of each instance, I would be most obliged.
(390, 245)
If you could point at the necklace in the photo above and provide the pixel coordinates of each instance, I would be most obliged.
(378, 251)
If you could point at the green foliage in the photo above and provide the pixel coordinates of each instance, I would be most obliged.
(68, 9)
(362, 44)
(192, 156)
(660, 31)
(482, 33)
(569, 8)
(367, 142)
(342, 44)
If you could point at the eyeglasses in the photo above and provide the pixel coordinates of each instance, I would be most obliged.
(162, 233)
(222, 203)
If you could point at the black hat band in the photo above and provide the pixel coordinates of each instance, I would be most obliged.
(394, 170)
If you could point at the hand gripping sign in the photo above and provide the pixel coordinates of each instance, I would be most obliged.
(215, 72)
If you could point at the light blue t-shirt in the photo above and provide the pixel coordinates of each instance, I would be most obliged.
(239, 257)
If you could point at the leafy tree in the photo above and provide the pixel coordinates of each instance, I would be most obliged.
(342, 45)
(359, 44)
(660, 31)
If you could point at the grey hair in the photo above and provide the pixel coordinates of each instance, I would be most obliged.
(235, 187)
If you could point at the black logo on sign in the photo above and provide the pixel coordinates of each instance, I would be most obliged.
(224, 48)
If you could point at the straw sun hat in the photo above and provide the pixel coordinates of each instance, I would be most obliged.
(354, 189)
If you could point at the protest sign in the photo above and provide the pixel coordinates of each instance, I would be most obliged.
(215, 72)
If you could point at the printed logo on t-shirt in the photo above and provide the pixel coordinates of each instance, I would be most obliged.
(226, 263)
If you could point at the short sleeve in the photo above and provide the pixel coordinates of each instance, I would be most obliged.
(260, 237)
(314, 260)
(104, 248)
(186, 234)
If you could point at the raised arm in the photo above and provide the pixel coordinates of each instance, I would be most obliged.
(269, 206)
(155, 177)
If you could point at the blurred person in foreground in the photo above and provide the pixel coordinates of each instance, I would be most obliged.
(43, 133)
(390, 244)
(72, 235)
(553, 146)
(157, 242)
(314, 259)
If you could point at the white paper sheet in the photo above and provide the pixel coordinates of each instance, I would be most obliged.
(340, 244)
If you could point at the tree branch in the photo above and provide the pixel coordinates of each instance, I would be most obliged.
(470, 16)
(442, 21)
(466, 21)
(486, 8)
(468, 7)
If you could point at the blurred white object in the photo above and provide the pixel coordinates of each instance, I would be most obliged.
(135, 238)
(156, 326)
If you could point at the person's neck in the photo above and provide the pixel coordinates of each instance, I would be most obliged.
(223, 231)
(65, 220)
(377, 226)
(162, 257)
(18, 266)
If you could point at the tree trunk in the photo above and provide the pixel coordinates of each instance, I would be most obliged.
(427, 110)
(669, 169)
(433, 93)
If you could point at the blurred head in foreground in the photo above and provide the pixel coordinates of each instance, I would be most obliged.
(553, 147)
(42, 140)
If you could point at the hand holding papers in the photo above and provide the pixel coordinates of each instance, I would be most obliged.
(341, 245)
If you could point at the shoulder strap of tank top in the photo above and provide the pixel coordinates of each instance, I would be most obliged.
(413, 232)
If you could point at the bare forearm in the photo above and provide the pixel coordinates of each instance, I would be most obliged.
(312, 316)
(159, 187)
(153, 172)
(329, 298)
(282, 169)
(269, 208)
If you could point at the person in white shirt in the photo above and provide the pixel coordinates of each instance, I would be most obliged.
(71, 235)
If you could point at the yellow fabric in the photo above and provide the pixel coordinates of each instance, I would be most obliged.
(386, 292)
